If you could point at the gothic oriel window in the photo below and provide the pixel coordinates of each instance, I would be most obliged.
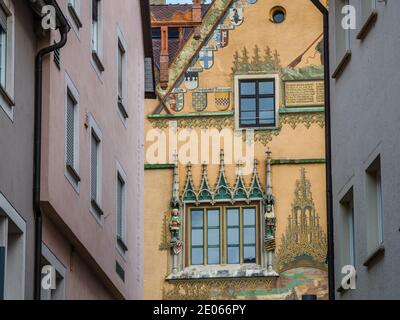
(223, 235)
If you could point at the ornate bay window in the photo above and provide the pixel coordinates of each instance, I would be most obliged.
(222, 232)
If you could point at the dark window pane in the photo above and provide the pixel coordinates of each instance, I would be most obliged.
(247, 88)
(233, 255)
(266, 87)
(197, 256)
(213, 256)
(213, 237)
(249, 236)
(213, 218)
(247, 104)
(249, 255)
(233, 217)
(267, 104)
(249, 217)
(197, 237)
(197, 219)
(233, 236)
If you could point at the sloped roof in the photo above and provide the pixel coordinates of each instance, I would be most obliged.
(166, 12)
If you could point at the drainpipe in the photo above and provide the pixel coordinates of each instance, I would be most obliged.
(328, 144)
(63, 27)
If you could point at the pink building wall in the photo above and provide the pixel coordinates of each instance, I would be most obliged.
(85, 247)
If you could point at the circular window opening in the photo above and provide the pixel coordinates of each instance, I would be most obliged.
(278, 15)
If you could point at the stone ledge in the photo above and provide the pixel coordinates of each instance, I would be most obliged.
(222, 272)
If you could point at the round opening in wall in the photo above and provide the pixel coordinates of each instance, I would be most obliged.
(278, 15)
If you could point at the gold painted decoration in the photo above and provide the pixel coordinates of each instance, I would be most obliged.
(199, 101)
(223, 100)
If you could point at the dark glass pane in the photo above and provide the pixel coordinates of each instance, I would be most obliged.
(233, 217)
(267, 104)
(213, 256)
(249, 236)
(247, 104)
(213, 237)
(197, 256)
(213, 218)
(249, 254)
(248, 118)
(233, 236)
(197, 237)
(233, 255)
(249, 217)
(247, 88)
(197, 219)
(267, 118)
(266, 87)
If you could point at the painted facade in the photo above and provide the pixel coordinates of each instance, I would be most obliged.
(278, 195)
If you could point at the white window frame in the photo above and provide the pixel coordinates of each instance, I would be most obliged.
(61, 270)
(74, 15)
(122, 102)
(273, 76)
(340, 59)
(96, 47)
(7, 93)
(73, 92)
(96, 208)
(17, 285)
(121, 238)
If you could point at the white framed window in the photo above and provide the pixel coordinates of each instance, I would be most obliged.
(96, 166)
(12, 252)
(341, 39)
(74, 11)
(7, 53)
(121, 185)
(57, 294)
(257, 101)
(122, 80)
(374, 205)
(348, 242)
(97, 34)
(72, 134)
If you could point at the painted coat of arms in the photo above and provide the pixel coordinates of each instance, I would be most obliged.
(206, 58)
(237, 16)
(221, 37)
(199, 101)
(222, 100)
(176, 101)
(191, 80)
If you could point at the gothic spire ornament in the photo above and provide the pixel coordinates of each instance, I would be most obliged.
(175, 201)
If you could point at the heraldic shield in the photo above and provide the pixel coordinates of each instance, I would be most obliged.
(199, 101)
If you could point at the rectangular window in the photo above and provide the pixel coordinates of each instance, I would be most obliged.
(209, 228)
(367, 8)
(95, 25)
(342, 35)
(121, 211)
(348, 247)
(122, 79)
(374, 205)
(74, 8)
(257, 103)
(3, 47)
(72, 138)
(96, 171)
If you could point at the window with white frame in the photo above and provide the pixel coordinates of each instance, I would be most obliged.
(74, 9)
(374, 205)
(97, 34)
(72, 134)
(368, 15)
(256, 101)
(121, 209)
(96, 168)
(342, 35)
(7, 42)
(58, 293)
(122, 79)
(12, 252)
(348, 247)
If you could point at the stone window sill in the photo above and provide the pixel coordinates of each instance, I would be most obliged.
(342, 65)
(74, 16)
(222, 272)
(377, 253)
(97, 61)
(367, 25)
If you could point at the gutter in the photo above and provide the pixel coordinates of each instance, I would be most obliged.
(63, 27)
(328, 151)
